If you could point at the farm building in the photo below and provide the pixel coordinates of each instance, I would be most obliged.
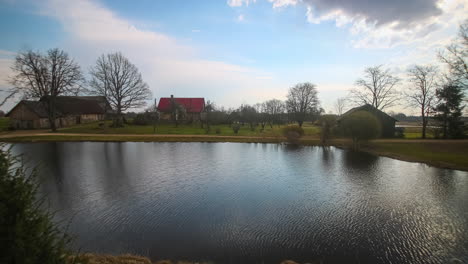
(387, 122)
(70, 110)
(193, 107)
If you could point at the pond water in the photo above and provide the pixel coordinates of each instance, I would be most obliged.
(253, 203)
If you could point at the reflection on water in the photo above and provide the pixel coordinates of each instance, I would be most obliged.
(248, 203)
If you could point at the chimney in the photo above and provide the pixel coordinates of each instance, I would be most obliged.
(172, 96)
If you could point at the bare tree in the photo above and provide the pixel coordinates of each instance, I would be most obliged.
(377, 88)
(248, 114)
(261, 117)
(46, 76)
(10, 93)
(456, 58)
(340, 105)
(116, 78)
(422, 91)
(302, 100)
(274, 109)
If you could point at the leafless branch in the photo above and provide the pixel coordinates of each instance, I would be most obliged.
(377, 88)
(116, 78)
(302, 100)
(49, 75)
(421, 93)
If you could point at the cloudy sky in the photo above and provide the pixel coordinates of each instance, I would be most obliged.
(237, 51)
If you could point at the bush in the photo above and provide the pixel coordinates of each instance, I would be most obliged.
(235, 127)
(399, 132)
(293, 133)
(218, 130)
(293, 128)
(5, 123)
(142, 119)
(327, 124)
(359, 126)
(28, 233)
(146, 118)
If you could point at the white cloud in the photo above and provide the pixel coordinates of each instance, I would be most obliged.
(282, 3)
(196, 30)
(236, 3)
(167, 64)
(240, 18)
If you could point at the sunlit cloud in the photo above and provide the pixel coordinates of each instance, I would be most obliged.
(382, 23)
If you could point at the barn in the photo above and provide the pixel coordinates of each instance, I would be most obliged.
(194, 108)
(70, 110)
(387, 122)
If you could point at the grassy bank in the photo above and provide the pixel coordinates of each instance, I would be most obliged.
(450, 154)
(133, 259)
(137, 138)
(440, 153)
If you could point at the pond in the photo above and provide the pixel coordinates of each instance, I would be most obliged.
(253, 203)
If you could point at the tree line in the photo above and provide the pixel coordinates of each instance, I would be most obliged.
(437, 95)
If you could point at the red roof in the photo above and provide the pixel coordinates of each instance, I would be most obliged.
(191, 105)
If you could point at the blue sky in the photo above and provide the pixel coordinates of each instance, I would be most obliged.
(237, 51)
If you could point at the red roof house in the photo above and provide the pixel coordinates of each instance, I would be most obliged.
(191, 105)
(194, 107)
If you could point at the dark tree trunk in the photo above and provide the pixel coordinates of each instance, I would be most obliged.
(424, 124)
(118, 120)
(445, 127)
(52, 114)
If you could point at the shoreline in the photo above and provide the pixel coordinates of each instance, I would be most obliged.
(429, 151)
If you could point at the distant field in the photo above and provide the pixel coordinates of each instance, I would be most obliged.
(4, 123)
(225, 130)
(414, 130)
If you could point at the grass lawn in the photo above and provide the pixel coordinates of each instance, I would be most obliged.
(225, 130)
